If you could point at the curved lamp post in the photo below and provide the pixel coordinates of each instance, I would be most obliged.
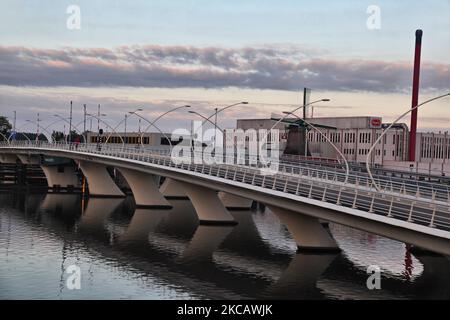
(124, 120)
(294, 110)
(72, 125)
(41, 127)
(216, 111)
(347, 170)
(24, 134)
(53, 123)
(106, 124)
(5, 137)
(152, 123)
(387, 129)
(222, 109)
(205, 119)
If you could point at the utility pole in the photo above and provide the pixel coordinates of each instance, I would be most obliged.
(215, 130)
(14, 125)
(98, 124)
(125, 133)
(70, 123)
(37, 128)
(306, 94)
(139, 141)
(84, 122)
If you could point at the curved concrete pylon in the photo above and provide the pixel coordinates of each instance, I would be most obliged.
(97, 211)
(142, 223)
(233, 202)
(25, 159)
(205, 241)
(64, 177)
(8, 158)
(99, 181)
(145, 189)
(307, 231)
(209, 208)
(172, 189)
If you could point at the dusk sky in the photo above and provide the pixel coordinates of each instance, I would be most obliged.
(161, 54)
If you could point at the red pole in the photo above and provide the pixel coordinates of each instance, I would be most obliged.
(415, 97)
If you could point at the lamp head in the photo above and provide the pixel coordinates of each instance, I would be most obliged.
(325, 100)
(244, 102)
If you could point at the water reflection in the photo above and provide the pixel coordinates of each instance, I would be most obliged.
(129, 252)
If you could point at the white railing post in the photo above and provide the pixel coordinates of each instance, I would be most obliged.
(371, 203)
(354, 200)
(324, 193)
(390, 207)
(338, 201)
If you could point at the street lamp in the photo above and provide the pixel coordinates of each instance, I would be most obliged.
(43, 128)
(124, 120)
(156, 119)
(297, 108)
(24, 134)
(216, 111)
(106, 124)
(387, 129)
(75, 126)
(292, 111)
(207, 120)
(347, 170)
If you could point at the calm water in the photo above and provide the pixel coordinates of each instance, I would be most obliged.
(130, 253)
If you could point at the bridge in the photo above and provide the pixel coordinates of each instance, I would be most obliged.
(302, 195)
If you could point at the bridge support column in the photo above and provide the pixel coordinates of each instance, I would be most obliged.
(172, 189)
(145, 189)
(233, 202)
(8, 158)
(209, 208)
(99, 181)
(60, 176)
(307, 231)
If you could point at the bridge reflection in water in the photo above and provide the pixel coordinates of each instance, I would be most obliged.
(171, 256)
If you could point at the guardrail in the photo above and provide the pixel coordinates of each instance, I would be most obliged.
(323, 185)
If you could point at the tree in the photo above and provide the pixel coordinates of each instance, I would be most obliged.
(57, 136)
(5, 128)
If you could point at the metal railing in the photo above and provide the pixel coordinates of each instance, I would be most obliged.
(395, 201)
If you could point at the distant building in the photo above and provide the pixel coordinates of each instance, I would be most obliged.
(354, 136)
(131, 138)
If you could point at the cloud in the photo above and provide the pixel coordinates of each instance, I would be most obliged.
(153, 66)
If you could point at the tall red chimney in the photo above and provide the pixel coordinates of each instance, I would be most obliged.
(415, 97)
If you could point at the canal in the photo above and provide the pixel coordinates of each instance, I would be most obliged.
(123, 252)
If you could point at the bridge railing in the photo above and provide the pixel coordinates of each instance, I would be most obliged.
(387, 184)
(321, 185)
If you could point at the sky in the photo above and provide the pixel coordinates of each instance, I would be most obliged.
(157, 55)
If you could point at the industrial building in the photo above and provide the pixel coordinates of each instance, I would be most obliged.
(354, 136)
